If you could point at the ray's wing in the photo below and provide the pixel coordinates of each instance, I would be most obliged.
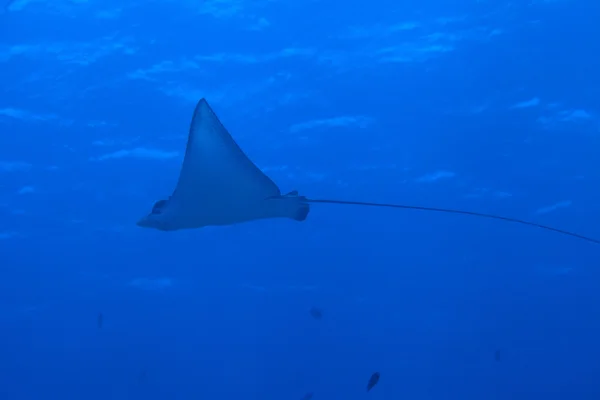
(215, 170)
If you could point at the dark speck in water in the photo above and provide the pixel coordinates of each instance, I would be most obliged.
(373, 381)
(316, 313)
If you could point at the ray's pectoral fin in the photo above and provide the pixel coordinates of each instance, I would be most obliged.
(302, 211)
(302, 207)
(291, 205)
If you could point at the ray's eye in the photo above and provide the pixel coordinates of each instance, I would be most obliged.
(158, 206)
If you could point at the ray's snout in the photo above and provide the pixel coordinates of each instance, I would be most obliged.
(151, 221)
(144, 222)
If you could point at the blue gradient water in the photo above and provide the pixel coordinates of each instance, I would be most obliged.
(490, 106)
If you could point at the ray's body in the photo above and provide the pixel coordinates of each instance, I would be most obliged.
(219, 185)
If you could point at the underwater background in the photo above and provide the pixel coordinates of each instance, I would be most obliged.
(489, 106)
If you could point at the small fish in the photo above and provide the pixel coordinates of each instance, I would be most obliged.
(308, 396)
(100, 320)
(316, 313)
(497, 355)
(373, 381)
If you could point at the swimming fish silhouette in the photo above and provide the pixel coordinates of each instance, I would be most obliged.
(373, 381)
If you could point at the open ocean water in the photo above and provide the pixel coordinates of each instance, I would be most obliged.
(479, 105)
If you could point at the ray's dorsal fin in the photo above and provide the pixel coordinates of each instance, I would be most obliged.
(215, 164)
(452, 211)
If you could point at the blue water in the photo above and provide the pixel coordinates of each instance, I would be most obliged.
(490, 106)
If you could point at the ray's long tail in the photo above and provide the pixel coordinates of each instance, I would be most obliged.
(452, 211)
